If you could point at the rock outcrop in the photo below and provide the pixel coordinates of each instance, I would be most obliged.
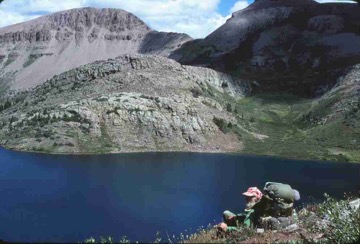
(130, 103)
(297, 46)
(68, 39)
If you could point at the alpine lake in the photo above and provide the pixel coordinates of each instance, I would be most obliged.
(70, 198)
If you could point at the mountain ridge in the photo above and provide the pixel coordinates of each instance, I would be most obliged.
(276, 44)
(67, 39)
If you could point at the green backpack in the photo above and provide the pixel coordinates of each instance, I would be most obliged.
(279, 191)
(281, 196)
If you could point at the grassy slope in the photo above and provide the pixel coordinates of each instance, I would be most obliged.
(277, 124)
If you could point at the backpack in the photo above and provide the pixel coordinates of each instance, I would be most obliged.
(280, 197)
(279, 191)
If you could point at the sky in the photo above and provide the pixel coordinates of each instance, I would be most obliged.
(197, 18)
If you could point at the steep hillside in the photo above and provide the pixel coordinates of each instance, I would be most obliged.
(131, 103)
(295, 46)
(150, 103)
(334, 119)
(35, 51)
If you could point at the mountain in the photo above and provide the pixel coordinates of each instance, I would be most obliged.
(130, 103)
(281, 78)
(35, 51)
(295, 46)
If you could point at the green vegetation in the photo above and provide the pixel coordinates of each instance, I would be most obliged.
(124, 239)
(196, 92)
(31, 59)
(4, 87)
(11, 58)
(344, 221)
(275, 124)
(98, 145)
(281, 124)
(332, 221)
(106, 240)
(209, 235)
(4, 106)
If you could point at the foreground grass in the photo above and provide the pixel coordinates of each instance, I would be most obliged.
(332, 221)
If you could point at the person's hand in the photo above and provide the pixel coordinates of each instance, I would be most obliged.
(222, 226)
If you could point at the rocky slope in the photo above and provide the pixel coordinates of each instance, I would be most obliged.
(151, 103)
(296, 46)
(131, 103)
(71, 38)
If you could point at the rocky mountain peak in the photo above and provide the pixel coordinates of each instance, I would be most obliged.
(74, 24)
(67, 39)
(113, 19)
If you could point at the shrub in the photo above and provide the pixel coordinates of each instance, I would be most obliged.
(38, 133)
(223, 125)
(69, 144)
(196, 92)
(4, 106)
(107, 240)
(47, 133)
(344, 221)
(229, 107)
(13, 119)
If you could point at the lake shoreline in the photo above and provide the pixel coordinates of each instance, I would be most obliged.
(179, 151)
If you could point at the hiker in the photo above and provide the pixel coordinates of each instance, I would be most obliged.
(232, 221)
(272, 209)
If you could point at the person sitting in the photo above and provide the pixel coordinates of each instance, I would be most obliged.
(272, 209)
(231, 221)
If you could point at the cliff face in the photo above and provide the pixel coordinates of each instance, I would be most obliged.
(36, 50)
(297, 46)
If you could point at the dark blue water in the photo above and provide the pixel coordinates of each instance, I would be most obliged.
(71, 198)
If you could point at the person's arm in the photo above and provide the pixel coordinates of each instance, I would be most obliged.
(243, 220)
(232, 229)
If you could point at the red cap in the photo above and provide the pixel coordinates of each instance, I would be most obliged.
(253, 192)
